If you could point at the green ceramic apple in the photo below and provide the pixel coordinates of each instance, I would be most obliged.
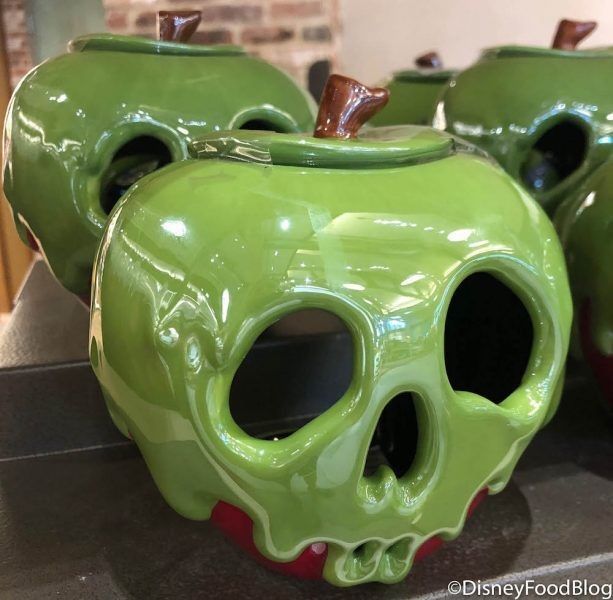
(546, 115)
(82, 127)
(450, 279)
(585, 224)
(414, 93)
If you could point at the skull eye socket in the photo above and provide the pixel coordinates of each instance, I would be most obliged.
(488, 338)
(135, 159)
(264, 125)
(297, 369)
(556, 155)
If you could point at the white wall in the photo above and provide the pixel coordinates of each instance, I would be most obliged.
(380, 36)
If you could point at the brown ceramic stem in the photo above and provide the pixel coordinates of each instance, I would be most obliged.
(430, 60)
(570, 33)
(177, 25)
(345, 106)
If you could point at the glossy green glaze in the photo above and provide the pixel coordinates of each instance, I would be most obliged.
(413, 97)
(71, 115)
(513, 95)
(123, 43)
(201, 257)
(585, 225)
(383, 151)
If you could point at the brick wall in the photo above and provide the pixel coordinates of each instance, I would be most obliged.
(292, 34)
(16, 39)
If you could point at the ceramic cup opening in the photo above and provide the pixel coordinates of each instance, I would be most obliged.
(135, 159)
(488, 338)
(298, 368)
(556, 155)
(396, 437)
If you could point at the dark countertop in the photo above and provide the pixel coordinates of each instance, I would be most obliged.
(48, 325)
(83, 522)
(91, 524)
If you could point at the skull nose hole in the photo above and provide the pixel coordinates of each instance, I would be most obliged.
(488, 338)
(396, 437)
(297, 369)
(557, 154)
(135, 159)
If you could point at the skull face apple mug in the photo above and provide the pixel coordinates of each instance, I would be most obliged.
(82, 127)
(543, 113)
(414, 93)
(449, 278)
(585, 225)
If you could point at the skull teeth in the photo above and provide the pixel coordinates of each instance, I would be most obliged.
(386, 561)
(375, 560)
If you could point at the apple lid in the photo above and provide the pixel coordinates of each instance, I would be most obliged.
(336, 143)
(174, 30)
(424, 76)
(541, 52)
(568, 35)
(429, 70)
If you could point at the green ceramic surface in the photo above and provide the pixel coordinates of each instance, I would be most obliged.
(585, 225)
(413, 97)
(543, 52)
(128, 43)
(71, 115)
(383, 151)
(513, 95)
(202, 256)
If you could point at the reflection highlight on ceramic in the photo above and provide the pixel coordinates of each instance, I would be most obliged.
(86, 125)
(381, 232)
